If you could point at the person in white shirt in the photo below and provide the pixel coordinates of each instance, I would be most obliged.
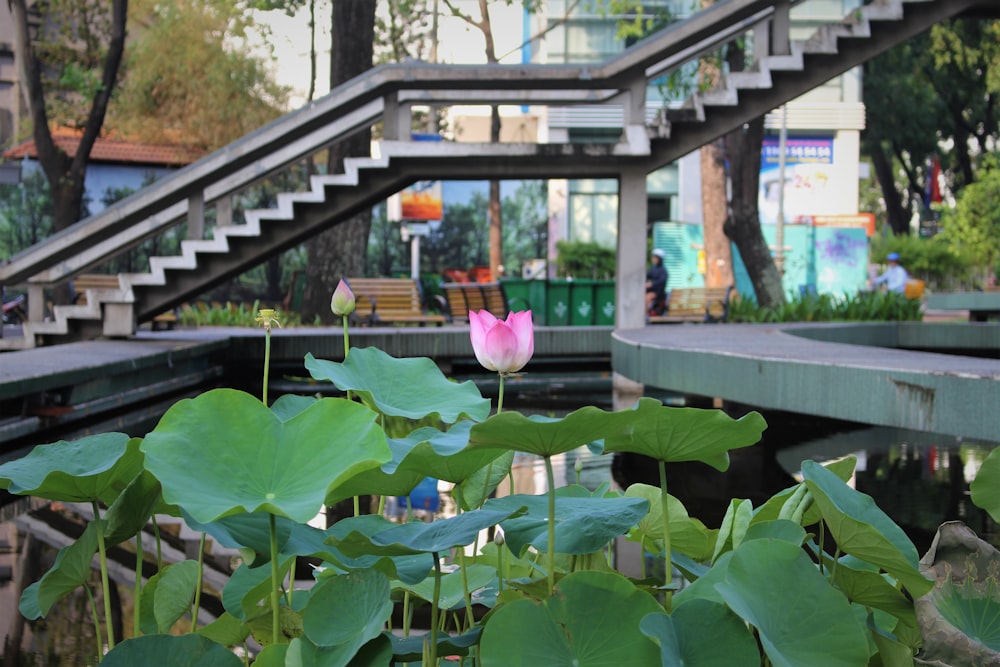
(895, 276)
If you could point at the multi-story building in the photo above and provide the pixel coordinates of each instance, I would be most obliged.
(824, 240)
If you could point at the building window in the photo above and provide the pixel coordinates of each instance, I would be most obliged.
(593, 211)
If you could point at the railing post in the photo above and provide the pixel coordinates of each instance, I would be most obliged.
(224, 211)
(780, 25)
(196, 216)
(36, 303)
(396, 119)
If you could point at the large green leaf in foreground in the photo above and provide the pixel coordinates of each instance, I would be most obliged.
(96, 467)
(802, 621)
(412, 388)
(862, 529)
(686, 434)
(591, 620)
(703, 634)
(224, 452)
(170, 651)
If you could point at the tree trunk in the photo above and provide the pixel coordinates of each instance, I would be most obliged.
(340, 252)
(718, 252)
(743, 146)
(894, 212)
(65, 173)
(495, 215)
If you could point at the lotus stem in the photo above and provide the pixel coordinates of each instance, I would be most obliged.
(97, 622)
(267, 362)
(465, 589)
(275, 581)
(197, 589)
(552, 524)
(357, 506)
(500, 396)
(665, 509)
(159, 546)
(137, 594)
(406, 613)
(347, 348)
(105, 584)
(434, 609)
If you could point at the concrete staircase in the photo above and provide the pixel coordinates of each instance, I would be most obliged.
(782, 70)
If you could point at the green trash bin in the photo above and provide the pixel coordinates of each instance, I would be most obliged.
(557, 306)
(604, 302)
(536, 301)
(517, 293)
(581, 298)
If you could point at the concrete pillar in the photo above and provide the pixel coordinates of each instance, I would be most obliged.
(630, 279)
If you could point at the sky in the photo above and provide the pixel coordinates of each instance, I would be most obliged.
(458, 43)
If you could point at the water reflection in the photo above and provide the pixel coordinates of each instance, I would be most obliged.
(919, 479)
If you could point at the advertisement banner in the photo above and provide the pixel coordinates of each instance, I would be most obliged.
(421, 201)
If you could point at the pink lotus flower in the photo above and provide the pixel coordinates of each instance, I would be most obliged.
(342, 302)
(504, 346)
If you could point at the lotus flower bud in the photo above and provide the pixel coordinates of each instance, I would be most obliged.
(342, 302)
(504, 346)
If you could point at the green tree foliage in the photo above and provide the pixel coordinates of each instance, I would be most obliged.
(526, 231)
(461, 240)
(187, 79)
(973, 227)
(938, 89)
(25, 213)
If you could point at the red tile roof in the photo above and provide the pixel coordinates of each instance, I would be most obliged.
(115, 150)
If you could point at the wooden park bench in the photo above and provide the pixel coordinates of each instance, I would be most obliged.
(696, 304)
(390, 301)
(463, 297)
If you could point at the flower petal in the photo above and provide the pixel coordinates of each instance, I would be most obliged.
(479, 324)
(502, 347)
(522, 326)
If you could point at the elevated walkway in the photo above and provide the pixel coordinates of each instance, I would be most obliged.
(869, 373)
(651, 137)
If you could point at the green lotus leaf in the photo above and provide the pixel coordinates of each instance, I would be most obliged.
(591, 620)
(473, 491)
(413, 388)
(546, 436)
(683, 641)
(770, 510)
(426, 452)
(174, 593)
(439, 454)
(224, 453)
(170, 651)
(870, 589)
(97, 467)
(584, 524)
(779, 529)
(133, 508)
(418, 537)
(734, 526)
(862, 529)
(249, 531)
(303, 653)
(226, 630)
(452, 595)
(704, 587)
(801, 619)
(289, 405)
(687, 536)
(348, 611)
(985, 488)
(410, 649)
(273, 655)
(70, 571)
(248, 587)
(686, 434)
(410, 568)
